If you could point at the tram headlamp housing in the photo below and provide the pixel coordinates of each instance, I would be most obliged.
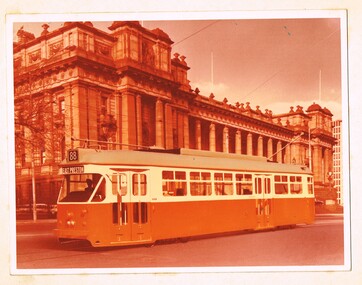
(71, 223)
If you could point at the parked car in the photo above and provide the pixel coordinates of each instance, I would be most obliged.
(42, 210)
(53, 210)
(319, 202)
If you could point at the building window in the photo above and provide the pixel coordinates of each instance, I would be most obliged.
(83, 41)
(61, 106)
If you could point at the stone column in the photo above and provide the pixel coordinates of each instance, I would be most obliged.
(249, 144)
(198, 134)
(160, 141)
(225, 140)
(118, 117)
(260, 146)
(180, 130)
(129, 136)
(212, 138)
(186, 132)
(279, 152)
(139, 119)
(270, 149)
(296, 152)
(168, 125)
(238, 142)
(327, 163)
(317, 163)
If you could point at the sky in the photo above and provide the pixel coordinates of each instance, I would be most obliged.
(272, 63)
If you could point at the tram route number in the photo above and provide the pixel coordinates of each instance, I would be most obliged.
(72, 155)
(73, 170)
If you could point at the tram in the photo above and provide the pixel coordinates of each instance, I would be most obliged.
(126, 197)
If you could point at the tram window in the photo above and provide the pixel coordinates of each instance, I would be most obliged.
(100, 192)
(80, 187)
(195, 175)
(200, 183)
(281, 184)
(243, 184)
(296, 186)
(174, 183)
(135, 213)
(140, 215)
(167, 175)
(180, 175)
(223, 184)
(267, 187)
(143, 213)
(119, 184)
(139, 186)
(258, 185)
(310, 185)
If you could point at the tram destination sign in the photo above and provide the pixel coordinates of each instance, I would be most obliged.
(73, 170)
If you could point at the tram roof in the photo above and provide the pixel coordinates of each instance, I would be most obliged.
(183, 158)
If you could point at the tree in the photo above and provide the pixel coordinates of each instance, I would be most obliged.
(39, 134)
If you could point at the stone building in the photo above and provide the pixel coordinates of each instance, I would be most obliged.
(125, 89)
(338, 160)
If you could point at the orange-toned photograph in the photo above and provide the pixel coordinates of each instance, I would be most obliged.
(180, 144)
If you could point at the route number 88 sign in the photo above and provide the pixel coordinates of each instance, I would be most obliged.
(73, 155)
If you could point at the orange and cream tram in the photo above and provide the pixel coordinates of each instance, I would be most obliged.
(124, 197)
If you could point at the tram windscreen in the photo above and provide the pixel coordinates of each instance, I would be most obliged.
(80, 188)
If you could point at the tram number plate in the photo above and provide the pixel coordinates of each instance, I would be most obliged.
(73, 170)
(72, 155)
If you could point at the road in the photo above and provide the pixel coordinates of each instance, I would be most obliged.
(306, 245)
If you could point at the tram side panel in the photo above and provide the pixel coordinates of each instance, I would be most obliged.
(190, 218)
(292, 211)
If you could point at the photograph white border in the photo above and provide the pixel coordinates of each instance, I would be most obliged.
(175, 15)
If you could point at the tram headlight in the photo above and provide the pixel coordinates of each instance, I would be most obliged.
(71, 223)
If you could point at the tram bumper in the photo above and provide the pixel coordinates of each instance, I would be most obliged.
(71, 234)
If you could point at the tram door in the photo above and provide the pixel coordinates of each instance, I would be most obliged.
(131, 214)
(263, 200)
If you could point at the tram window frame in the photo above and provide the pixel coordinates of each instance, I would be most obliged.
(142, 189)
(174, 183)
(267, 185)
(244, 183)
(281, 185)
(140, 218)
(74, 188)
(200, 183)
(258, 185)
(100, 188)
(310, 185)
(296, 185)
(119, 185)
(223, 183)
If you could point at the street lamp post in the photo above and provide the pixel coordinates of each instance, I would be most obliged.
(330, 178)
(33, 187)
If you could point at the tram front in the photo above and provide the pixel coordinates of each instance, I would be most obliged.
(82, 202)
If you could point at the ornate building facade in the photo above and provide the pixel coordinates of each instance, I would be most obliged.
(124, 89)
